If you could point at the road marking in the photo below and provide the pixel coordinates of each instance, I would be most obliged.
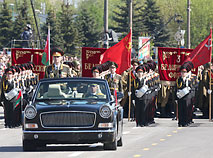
(3, 129)
(169, 135)
(174, 131)
(135, 128)
(146, 149)
(75, 154)
(93, 146)
(162, 140)
(126, 132)
(179, 128)
(154, 144)
(137, 155)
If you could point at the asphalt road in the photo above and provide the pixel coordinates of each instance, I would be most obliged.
(160, 140)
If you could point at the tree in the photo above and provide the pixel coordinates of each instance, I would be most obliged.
(5, 26)
(56, 39)
(121, 17)
(153, 23)
(87, 28)
(21, 21)
(68, 31)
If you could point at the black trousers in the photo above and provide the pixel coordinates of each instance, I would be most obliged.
(182, 112)
(140, 112)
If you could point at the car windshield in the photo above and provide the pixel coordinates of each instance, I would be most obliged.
(76, 90)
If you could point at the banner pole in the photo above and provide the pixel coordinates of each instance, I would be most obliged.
(210, 78)
(210, 90)
(49, 43)
(129, 95)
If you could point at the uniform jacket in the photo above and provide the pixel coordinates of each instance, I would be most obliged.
(115, 82)
(63, 71)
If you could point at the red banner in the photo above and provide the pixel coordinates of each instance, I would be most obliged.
(170, 60)
(90, 58)
(21, 56)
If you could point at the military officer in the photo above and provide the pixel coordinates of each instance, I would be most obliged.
(57, 69)
(138, 83)
(93, 92)
(183, 97)
(8, 98)
(114, 80)
(96, 72)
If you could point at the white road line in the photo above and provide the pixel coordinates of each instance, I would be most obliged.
(126, 132)
(136, 128)
(95, 145)
(75, 154)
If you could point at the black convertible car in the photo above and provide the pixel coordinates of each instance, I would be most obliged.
(72, 111)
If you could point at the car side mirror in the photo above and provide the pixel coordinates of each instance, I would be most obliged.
(112, 98)
(30, 102)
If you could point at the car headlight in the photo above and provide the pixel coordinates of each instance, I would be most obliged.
(30, 112)
(105, 111)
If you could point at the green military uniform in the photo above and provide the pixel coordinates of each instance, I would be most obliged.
(61, 72)
(115, 82)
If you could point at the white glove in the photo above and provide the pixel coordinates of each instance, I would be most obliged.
(133, 102)
(209, 91)
(129, 93)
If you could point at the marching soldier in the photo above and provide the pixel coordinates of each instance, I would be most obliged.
(57, 69)
(114, 80)
(139, 83)
(183, 97)
(9, 98)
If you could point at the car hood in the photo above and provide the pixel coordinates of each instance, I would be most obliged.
(69, 105)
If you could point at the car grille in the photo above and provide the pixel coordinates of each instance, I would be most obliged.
(68, 119)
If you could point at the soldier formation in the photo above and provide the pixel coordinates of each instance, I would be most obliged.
(140, 85)
(17, 86)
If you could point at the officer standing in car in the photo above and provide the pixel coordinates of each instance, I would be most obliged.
(57, 69)
(114, 79)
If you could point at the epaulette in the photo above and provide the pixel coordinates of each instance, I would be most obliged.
(100, 94)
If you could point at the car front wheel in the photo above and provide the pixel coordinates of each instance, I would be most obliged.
(111, 145)
(120, 142)
(29, 145)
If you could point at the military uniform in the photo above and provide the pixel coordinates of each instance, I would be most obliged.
(9, 100)
(115, 82)
(140, 115)
(52, 72)
(57, 69)
(183, 102)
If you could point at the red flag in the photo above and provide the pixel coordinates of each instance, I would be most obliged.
(120, 54)
(202, 53)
